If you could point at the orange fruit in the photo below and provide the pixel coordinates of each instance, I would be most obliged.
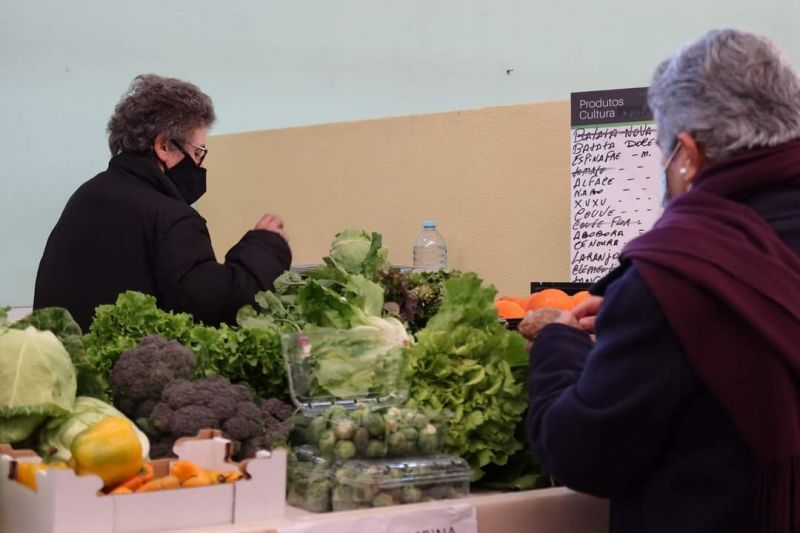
(549, 298)
(580, 297)
(508, 309)
(522, 302)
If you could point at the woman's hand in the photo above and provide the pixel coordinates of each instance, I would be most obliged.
(586, 312)
(274, 223)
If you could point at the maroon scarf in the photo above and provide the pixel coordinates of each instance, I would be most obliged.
(730, 289)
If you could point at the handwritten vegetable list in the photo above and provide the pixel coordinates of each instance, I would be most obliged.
(616, 189)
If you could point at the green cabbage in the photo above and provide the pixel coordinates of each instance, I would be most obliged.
(37, 381)
(91, 381)
(58, 433)
(359, 252)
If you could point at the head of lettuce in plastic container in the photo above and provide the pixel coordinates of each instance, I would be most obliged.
(356, 250)
(37, 381)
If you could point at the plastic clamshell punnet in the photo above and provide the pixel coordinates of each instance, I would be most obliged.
(373, 433)
(347, 367)
(309, 480)
(362, 484)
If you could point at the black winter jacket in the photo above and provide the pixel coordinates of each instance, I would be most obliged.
(129, 229)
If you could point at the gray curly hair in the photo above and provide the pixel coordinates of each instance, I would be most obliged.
(154, 105)
(730, 90)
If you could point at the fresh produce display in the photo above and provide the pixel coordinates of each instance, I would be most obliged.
(465, 362)
(115, 466)
(141, 373)
(359, 252)
(60, 323)
(516, 306)
(342, 332)
(213, 402)
(37, 381)
(26, 472)
(136, 481)
(250, 355)
(318, 484)
(414, 297)
(364, 484)
(309, 480)
(182, 475)
(509, 310)
(329, 296)
(368, 433)
(361, 363)
(58, 433)
(550, 298)
(109, 449)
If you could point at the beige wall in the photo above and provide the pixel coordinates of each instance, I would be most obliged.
(495, 179)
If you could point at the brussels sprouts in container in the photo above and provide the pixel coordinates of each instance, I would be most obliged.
(309, 480)
(374, 433)
(363, 483)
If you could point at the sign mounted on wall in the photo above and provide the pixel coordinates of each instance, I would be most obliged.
(616, 189)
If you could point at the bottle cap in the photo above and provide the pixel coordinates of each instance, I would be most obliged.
(429, 224)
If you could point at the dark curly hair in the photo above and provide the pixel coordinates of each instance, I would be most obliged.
(154, 105)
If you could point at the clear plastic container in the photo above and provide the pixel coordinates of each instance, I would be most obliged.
(309, 480)
(351, 367)
(430, 249)
(364, 483)
(365, 433)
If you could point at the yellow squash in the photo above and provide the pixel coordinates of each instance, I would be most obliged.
(109, 449)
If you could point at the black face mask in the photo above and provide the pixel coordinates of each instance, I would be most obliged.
(189, 179)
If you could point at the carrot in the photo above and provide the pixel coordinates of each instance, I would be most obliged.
(144, 475)
(196, 480)
(234, 476)
(183, 470)
(162, 483)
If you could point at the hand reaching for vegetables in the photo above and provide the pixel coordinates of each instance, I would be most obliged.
(583, 316)
(586, 312)
(273, 223)
(534, 321)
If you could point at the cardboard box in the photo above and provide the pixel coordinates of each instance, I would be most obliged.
(67, 503)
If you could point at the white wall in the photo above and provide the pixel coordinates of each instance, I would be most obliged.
(267, 64)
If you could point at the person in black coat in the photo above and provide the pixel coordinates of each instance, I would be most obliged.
(132, 227)
(686, 410)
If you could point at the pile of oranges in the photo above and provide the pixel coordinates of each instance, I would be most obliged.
(511, 307)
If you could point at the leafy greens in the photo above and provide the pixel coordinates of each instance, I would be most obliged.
(466, 363)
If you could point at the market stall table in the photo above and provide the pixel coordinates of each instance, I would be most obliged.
(556, 510)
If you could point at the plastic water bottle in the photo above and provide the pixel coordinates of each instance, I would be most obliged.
(430, 250)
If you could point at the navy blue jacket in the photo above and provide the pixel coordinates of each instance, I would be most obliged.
(630, 419)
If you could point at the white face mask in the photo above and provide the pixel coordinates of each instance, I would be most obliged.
(662, 171)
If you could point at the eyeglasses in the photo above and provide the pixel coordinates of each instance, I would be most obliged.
(200, 152)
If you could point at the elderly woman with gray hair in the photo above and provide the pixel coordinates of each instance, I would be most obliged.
(686, 410)
(132, 227)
